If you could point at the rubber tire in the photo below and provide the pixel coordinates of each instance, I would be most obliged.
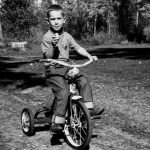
(85, 144)
(31, 129)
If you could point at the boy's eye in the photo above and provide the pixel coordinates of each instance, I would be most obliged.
(52, 18)
(55, 18)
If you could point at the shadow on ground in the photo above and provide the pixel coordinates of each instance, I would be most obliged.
(126, 53)
(19, 79)
(26, 79)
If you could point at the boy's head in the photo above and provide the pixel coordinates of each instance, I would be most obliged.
(55, 16)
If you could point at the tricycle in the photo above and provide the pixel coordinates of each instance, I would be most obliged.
(78, 122)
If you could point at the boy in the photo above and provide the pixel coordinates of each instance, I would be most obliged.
(56, 45)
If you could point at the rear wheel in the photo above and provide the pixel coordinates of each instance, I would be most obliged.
(27, 122)
(78, 127)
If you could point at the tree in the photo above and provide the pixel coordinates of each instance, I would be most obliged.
(18, 18)
(1, 33)
(89, 17)
(134, 17)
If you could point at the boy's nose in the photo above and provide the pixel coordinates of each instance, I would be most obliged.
(56, 21)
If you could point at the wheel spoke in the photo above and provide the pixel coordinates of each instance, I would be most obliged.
(84, 131)
(81, 114)
(77, 122)
(79, 134)
(77, 127)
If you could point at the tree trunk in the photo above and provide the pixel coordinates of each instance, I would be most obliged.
(109, 26)
(137, 18)
(1, 34)
(109, 30)
(95, 22)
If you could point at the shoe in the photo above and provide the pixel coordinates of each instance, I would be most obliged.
(96, 112)
(56, 128)
(57, 139)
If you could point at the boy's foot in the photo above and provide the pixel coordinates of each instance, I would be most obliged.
(56, 128)
(57, 139)
(96, 112)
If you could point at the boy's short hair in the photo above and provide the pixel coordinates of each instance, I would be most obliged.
(55, 7)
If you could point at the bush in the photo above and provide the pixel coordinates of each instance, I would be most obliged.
(37, 34)
(103, 38)
(147, 33)
(18, 18)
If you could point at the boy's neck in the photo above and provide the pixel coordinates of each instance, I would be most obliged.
(61, 31)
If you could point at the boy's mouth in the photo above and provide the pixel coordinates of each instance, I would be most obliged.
(56, 27)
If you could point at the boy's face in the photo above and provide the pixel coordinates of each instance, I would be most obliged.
(56, 20)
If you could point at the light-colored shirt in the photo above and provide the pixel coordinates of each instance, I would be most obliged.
(65, 44)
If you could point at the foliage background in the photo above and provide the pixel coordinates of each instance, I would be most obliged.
(89, 21)
(17, 19)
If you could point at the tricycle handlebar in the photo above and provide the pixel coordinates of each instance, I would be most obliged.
(64, 63)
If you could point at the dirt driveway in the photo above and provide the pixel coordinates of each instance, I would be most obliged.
(121, 85)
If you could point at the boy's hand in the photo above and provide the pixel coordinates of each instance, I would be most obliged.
(55, 39)
(93, 58)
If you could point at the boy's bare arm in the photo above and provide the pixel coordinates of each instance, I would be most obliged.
(83, 52)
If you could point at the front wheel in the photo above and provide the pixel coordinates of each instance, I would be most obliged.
(27, 122)
(78, 127)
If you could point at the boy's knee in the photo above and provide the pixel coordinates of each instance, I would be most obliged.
(64, 93)
(83, 81)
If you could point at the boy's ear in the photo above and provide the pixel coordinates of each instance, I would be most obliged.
(46, 19)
